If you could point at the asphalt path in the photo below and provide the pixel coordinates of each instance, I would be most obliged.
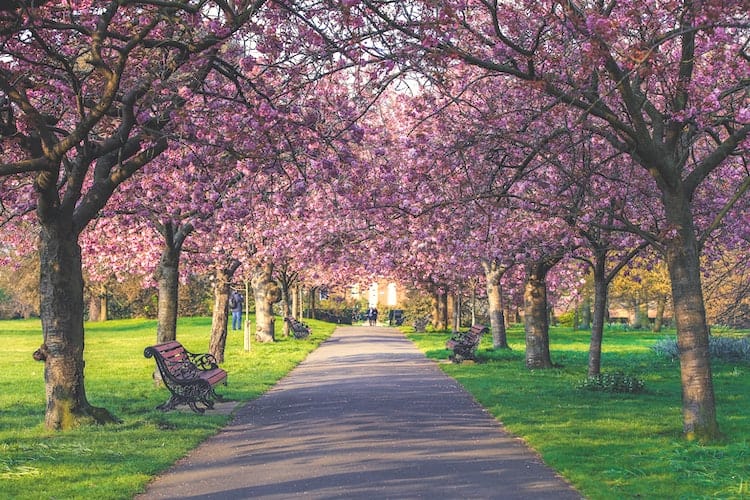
(366, 415)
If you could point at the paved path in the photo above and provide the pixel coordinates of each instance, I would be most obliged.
(364, 416)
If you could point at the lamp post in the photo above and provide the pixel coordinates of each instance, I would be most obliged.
(247, 315)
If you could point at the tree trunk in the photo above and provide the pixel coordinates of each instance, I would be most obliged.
(474, 304)
(600, 306)
(443, 310)
(313, 303)
(167, 277)
(536, 316)
(698, 402)
(98, 302)
(220, 317)
(450, 311)
(457, 305)
(661, 302)
(94, 305)
(61, 290)
(267, 293)
(493, 273)
(287, 293)
(296, 308)
(586, 313)
(104, 305)
(435, 302)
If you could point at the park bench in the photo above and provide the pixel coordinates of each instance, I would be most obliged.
(190, 377)
(299, 329)
(464, 344)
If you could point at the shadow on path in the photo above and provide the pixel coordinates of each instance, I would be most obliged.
(366, 415)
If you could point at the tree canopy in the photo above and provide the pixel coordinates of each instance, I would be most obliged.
(438, 142)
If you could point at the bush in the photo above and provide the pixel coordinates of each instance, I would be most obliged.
(612, 382)
(567, 319)
(722, 348)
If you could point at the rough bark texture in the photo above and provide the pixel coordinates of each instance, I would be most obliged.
(698, 401)
(267, 293)
(536, 316)
(600, 311)
(220, 316)
(61, 288)
(167, 277)
(493, 273)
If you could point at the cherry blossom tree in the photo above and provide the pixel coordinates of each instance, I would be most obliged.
(667, 89)
(89, 92)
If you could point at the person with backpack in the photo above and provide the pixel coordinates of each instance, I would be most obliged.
(235, 305)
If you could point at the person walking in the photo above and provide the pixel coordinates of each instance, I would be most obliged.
(235, 305)
(372, 315)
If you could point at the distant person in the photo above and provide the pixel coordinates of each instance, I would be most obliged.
(372, 316)
(235, 305)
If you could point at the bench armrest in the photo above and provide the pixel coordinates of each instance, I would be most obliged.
(204, 361)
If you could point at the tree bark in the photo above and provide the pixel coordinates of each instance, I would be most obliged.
(450, 311)
(61, 289)
(168, 279)
(94, 305)
(493, 273)
(104, 305)
(661, 302)
(586, 317)
(441, 310)
(600, 306)
(682, 255)
(313, 303)
(536, 316)
(296, 307)
(288, 297)
(167, 276)
(220, 316)
(267, 293)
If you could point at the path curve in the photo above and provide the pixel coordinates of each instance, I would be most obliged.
(366, 415)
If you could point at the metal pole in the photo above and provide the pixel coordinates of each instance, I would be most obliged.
(247, 315)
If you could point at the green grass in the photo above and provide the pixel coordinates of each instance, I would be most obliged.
(607, 445)
(116, 461)
(611, 445)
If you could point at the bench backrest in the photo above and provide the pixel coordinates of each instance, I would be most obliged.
(478, 330)
(474, 335)
(172, 357)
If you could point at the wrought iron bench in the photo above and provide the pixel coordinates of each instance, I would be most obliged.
(299, 329)
(464, 344)
(190, 377)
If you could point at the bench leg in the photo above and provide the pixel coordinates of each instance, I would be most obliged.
(207, 399)
(170, 404)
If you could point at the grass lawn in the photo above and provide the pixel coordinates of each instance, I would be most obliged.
(116, 461)
(611, 445)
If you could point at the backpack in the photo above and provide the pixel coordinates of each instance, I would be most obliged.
(233, 301)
